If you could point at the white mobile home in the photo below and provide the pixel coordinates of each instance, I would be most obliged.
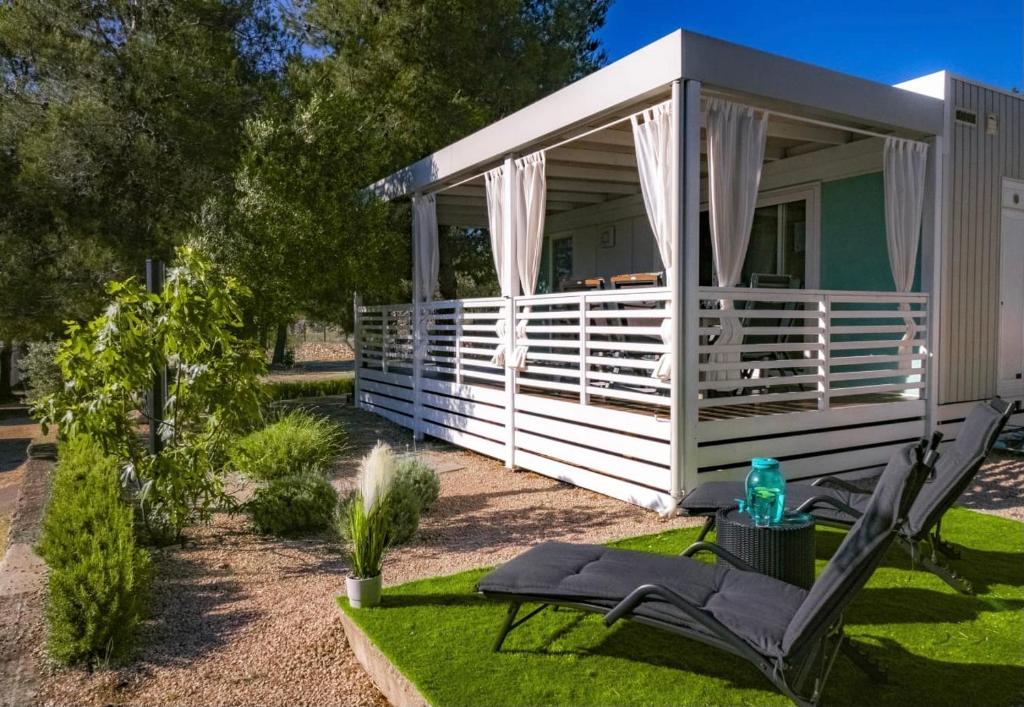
(707, 253)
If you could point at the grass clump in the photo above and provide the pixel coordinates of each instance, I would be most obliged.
(98, 579)
(939, 647)
(297, 443)
(294, 504)
(414, 488)
(364, 521)
(293, 390)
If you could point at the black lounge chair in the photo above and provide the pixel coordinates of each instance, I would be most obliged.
(840, 503)
(792, 635)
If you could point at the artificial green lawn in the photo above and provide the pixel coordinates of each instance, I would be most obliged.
(939, 647)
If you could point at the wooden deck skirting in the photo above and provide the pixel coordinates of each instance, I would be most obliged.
(397, 688)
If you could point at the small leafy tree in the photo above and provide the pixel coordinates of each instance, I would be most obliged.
(192, 329)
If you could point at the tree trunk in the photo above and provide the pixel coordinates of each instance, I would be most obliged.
(280, 342)
(6, 355)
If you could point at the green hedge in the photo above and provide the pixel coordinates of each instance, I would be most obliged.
(299, 442)
(293, 504)
(291, 390)
(98, 580)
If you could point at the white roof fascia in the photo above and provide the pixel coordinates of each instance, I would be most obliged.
(737, 68)
(644, 72)
(933, 85)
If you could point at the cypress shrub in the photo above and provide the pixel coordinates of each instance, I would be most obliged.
(98, 581)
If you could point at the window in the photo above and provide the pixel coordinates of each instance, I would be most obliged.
(783, 239)
(561, 260)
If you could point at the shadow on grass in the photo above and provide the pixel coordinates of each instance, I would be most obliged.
(911, 605)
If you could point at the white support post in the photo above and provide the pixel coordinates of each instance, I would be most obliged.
(933, 236)
(584, 396)
(511, 285)
(357, 341)
(385, 318)
(686, 290)
(825, 351)
(417, 339)
(458, 314)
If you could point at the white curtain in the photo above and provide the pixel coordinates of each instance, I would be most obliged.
(654, 138)
(424, 233)
(904, 164)
(531, 201)
(736, 139)
(495, 184)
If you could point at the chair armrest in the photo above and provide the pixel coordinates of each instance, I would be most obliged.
(720, 552)
(809, 505)
(843, 484)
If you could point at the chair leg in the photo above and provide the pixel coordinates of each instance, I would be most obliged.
(863, 661)
(930, 562)
(709, 524)
(511, 623)
(510, 617)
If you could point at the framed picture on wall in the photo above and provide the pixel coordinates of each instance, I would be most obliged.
(607, 237)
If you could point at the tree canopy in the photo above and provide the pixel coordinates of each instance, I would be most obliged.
(251, 126)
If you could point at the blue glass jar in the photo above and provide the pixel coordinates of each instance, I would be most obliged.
(766, 492)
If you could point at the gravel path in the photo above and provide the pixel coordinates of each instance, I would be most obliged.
(242, 619)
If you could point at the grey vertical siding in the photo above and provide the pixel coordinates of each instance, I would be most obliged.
(970, 282)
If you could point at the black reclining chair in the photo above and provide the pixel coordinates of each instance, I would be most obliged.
(840, 503)
(790, 634)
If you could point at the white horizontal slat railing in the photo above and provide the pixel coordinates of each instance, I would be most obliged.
(586, 405)
(809, 349)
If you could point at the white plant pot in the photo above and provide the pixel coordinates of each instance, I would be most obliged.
(361, 592)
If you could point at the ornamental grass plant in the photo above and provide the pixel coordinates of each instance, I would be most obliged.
(365, 522)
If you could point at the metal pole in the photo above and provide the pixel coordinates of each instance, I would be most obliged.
(158, 393)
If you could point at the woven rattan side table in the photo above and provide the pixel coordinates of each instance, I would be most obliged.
(784, 551)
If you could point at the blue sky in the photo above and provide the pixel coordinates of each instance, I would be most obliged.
(885, 41)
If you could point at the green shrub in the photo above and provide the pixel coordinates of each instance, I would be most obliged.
(39, 369)
(98, 580)
(293, 504)
(426, 485)
(291, 390)
(297, 443)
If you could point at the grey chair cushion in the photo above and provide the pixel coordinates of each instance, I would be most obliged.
(756, 607)
(858, 555)
(708, 498)
(957, 466)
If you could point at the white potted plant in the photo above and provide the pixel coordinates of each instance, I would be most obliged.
(367, 526)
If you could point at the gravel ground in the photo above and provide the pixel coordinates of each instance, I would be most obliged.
(242, 619)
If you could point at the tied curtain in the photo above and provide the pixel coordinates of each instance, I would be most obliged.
(424, 233)
(656, 160)
(904, 164)
(495, 185)
(427, 259)
(529, 195)
(736, 140)
(531, 203)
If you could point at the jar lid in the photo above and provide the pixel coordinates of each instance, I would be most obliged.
(764, 463)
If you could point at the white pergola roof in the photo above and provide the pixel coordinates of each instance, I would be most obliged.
(601, 165)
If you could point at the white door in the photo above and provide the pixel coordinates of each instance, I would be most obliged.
(1011, 292)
